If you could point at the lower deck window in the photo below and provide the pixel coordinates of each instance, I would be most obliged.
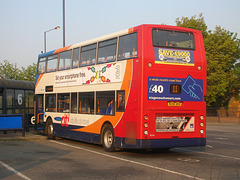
(73, 102)
(63, 102)
(50, 102)
(120, 101)
(105, 103)
(86, 102)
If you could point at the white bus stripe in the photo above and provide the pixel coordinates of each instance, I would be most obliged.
(130, 161)
(14, 171)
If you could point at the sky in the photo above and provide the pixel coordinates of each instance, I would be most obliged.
(23, 22)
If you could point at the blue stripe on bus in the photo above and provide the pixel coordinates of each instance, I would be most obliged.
(46, 54)
(120, 142)
(159, 143)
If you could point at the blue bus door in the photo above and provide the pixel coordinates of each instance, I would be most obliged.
(39, 116)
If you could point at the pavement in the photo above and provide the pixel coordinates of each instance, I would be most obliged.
(12, 135)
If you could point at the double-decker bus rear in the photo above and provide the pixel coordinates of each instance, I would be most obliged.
(173, 80)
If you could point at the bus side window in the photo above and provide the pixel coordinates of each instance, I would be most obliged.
(41, 65)
(86, 103)
(105, 103)
(107, 51)
(63, 102)
(120, 101)
(75, 58)
(88, 55)
(65, 60)
(52, 63)
(127, 46)
(73, 102)
(50, 103)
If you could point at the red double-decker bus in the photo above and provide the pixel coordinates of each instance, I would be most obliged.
(139, 88)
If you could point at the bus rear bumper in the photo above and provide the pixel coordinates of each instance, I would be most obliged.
(162, 143)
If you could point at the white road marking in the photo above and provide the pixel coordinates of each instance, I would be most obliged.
(211, 154)
(213, 129)
(209, 146)
(221, 138)
(222, 142)
(14, 171)
(130, 161)
(188, 160)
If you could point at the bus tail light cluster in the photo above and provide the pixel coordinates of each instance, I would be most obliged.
(201, 124)
(146, 117)
(146, 125)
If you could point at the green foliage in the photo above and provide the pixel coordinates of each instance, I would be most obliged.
(193, 23)
(10, 71)
(222, 51)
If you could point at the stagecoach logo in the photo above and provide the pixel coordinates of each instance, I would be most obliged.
(65, 120)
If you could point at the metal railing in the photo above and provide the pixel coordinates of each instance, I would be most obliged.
(223, 115)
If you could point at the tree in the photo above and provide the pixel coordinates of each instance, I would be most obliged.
(222, 51)
(193, 23)
(10, 71)
(29, 73)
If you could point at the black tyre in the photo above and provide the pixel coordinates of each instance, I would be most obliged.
(108, 138)
(49, 130)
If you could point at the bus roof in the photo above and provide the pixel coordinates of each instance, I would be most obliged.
(119, 33)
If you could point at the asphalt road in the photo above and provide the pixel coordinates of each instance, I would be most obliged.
(66, 159)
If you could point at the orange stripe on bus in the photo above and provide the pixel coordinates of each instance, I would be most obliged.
(61, 49)
(96, 126)
(40, 77)
(130, 30)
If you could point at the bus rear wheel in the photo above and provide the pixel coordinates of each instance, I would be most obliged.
(108, 138)
(49, 130)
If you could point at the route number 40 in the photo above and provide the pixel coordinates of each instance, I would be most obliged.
(157, 89)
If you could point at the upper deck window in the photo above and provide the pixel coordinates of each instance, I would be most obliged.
(52, 63)
(173, 39)
(65, 60)
(127, 46)
(88, 55)
(41, 65)
(107, 51)
(75, 58)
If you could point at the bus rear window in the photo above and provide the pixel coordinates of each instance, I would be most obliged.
(173, 39)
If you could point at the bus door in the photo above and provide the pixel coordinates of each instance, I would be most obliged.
(39, 113)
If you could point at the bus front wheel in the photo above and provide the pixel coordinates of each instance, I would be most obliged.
(108, 138)
(49, 130)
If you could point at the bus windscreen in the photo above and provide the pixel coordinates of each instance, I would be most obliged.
(173, 39)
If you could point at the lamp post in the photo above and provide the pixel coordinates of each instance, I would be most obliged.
(63, 23)
(45, 37)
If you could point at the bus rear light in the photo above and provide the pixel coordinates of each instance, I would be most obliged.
(150, 65)
(201, 131)
(201, 117)
(199, 68)
(146, 117)
(145, 132)
(146, 125)
(201, 124)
